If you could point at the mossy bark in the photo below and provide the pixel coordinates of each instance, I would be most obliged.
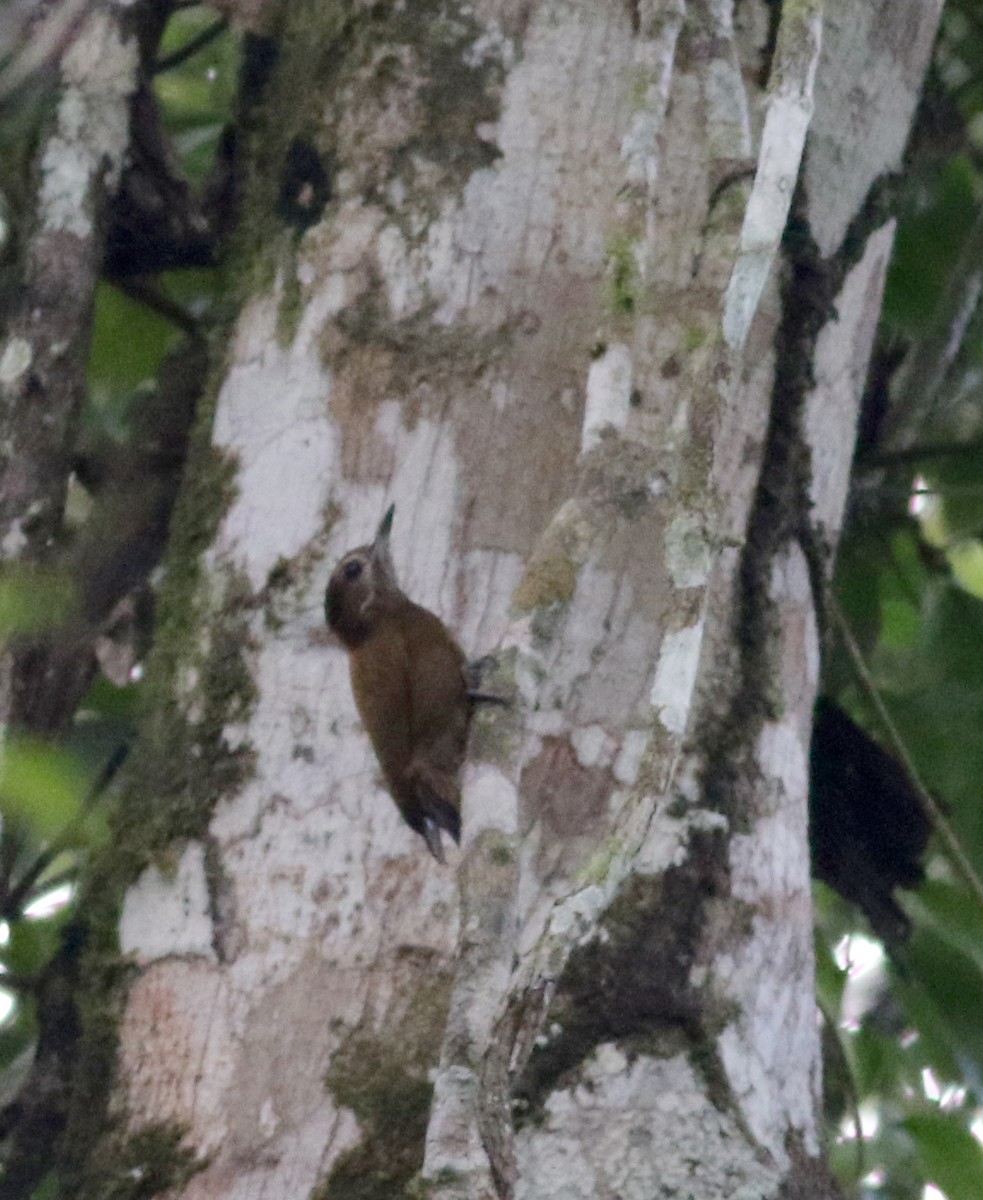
(508, 318)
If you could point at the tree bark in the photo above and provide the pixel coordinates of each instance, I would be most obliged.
(591, 300)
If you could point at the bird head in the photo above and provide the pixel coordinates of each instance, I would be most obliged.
(361, 585)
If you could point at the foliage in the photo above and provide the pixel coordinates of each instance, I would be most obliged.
(904, 1037)
(56, 793)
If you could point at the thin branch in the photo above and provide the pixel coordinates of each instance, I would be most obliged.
(17, 898)
(46, 41)
(191, 47)
(930, 807)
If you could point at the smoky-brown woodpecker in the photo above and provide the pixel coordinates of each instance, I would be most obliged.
(408, 678)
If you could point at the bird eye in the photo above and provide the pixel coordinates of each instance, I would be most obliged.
(353, 569)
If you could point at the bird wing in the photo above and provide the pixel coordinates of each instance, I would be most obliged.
(381, 684)
(439, 707)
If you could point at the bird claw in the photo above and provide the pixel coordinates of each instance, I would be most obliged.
(474, 673)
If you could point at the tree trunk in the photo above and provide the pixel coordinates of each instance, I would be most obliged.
(547, 310)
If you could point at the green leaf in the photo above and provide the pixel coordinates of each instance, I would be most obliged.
(18, 1031)
(941, 990)
(966, 560)
(32, 944)
(879, 1062)
(32, 599)
(953, 913)
(927, 246)
(40, 785)
(128, 342)
(48, 1189)
(959, 482)
(952, 1157)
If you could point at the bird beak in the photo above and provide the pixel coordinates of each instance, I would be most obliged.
(380, 548)
(381, 544)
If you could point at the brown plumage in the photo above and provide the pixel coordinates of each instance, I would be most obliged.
(408, 678)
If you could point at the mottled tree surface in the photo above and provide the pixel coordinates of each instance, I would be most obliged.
(588, 290)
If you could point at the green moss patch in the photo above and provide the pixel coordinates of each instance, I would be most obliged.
(551, 580)
(382, 1075)
(198, 682)
(139, 1166)
(623, 277)
(631, 984)
(392, 1104)
(384, 93)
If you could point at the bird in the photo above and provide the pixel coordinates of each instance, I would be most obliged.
(410, 682)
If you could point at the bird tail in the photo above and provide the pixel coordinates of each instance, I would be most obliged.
(430, 831)
(437, 797)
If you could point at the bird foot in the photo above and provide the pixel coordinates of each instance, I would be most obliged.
(474, 674)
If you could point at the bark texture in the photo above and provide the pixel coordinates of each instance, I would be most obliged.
(45, 348)
(591, 300)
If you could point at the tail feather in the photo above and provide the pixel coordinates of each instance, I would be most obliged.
(436, 797)
(430, 832)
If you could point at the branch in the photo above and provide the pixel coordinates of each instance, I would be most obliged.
(46, 42)
(191, 47)
(44, 354)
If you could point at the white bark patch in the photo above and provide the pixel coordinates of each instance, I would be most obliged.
(767, 976)
(90, 136)
(204, 1048)
(608, 394)
(453, 1141)
(593, 746)
(18, 354)
(516, 218)
(667, 838)
(286, 453)
(593, 674)
(655, 51)
(637, 1130)
(629, 758)
(675, 676)
(304, 821)
(782, 142)
(166, 915)
(488, 582)
(575, 918)
(792, 593)
(728, 128)
(841, 359)
(489, 801)
(780, 745)
(770, 1052)
(870, 79)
